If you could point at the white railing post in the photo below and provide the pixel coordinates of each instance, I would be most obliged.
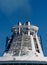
(32, 43)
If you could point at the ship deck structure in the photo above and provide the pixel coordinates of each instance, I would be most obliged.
(24, 45)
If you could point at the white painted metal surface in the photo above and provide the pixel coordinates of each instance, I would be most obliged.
(35, 53)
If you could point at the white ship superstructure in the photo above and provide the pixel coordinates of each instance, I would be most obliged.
(24, 45)
(24, 41)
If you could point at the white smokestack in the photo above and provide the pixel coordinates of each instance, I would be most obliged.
(28, 23)
(19, 24)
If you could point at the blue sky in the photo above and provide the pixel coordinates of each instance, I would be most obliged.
(12, 11)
